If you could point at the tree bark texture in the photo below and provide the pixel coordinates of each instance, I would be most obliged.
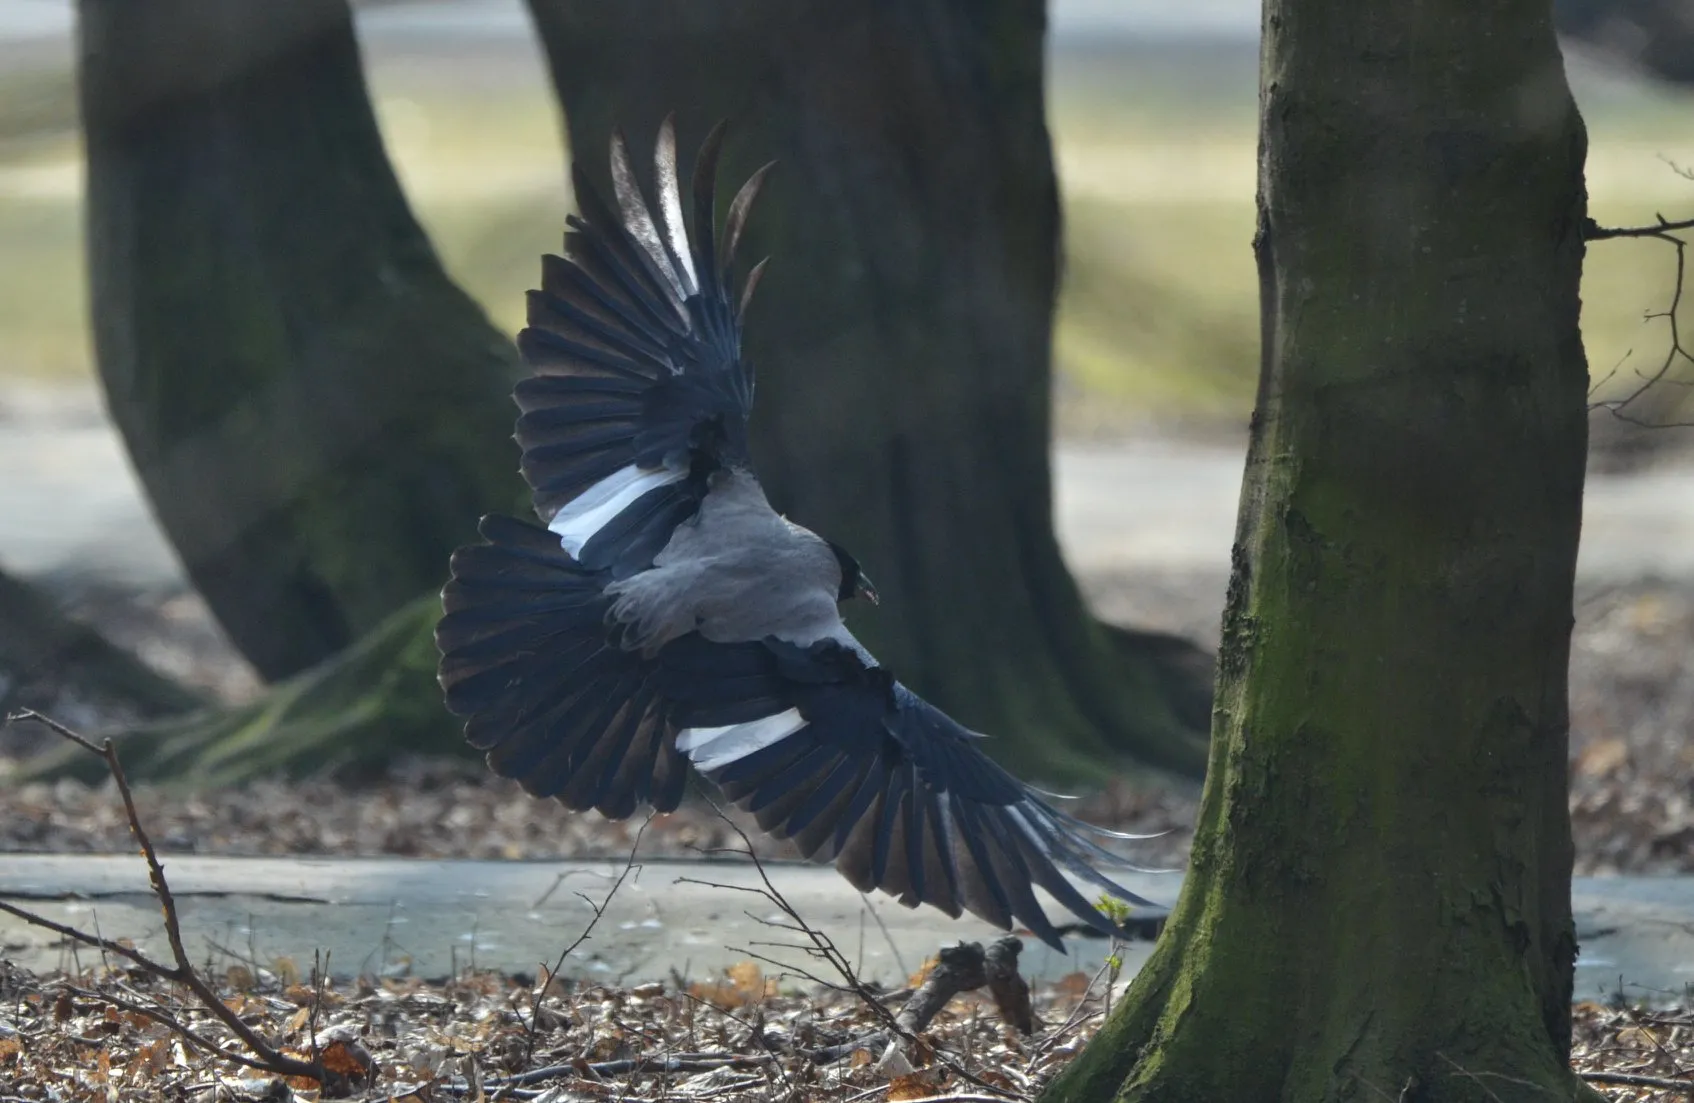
(1378, 905)
(347, 717)
(902, 331)
(60, 666)
(317, 413)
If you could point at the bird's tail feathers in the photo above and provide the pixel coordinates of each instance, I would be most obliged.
(527, 659)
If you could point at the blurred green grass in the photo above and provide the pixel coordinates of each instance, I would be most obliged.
(1158, 313)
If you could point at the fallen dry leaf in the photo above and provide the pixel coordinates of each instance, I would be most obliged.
(913, 1085)
(1074, 985)
(1602, 757)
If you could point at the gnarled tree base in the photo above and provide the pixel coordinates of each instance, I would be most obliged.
(1378, 901)
(350, 714)
(47, 658)
(1319, 1032)
(356, 711)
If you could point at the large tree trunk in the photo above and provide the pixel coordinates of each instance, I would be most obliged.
(902, 333)
(317, 413)
(60, 666)
(1379, 901)
(347, 716)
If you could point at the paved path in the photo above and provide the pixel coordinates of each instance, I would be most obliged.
(69, 502)
(430, 917)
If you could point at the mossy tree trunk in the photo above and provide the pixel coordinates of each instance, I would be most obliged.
(317, 413)
(53, 663)
(347, 716)
(902, 334)
(1379, 900)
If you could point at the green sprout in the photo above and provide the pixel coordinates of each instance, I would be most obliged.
(1114, 909)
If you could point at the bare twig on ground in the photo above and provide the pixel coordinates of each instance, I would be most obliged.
(170, 1022)
(543, 983)
(893, 949)
(820, 946)
(958, 968)
(183, 972)
(1077, 1018)
(1007, 986)
(1637, 1080)
(964, 967)
(678, 1062)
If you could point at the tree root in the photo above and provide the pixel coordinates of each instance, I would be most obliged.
(347, 716)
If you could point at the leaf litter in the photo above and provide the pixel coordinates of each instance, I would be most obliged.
(113, 1034)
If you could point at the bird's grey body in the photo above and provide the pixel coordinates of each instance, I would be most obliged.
(735, 571)
(668, 620)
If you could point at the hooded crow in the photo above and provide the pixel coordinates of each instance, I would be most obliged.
(665, 617)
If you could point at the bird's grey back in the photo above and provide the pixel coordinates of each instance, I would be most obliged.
(736, 571)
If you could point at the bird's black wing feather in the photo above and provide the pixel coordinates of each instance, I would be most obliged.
(529, 662)
(889, 788)
(634, 339)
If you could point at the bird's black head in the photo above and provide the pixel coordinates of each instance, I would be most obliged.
(853, 580)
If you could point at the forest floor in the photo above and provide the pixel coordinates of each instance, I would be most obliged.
(1632, 761)
(1632, 797)
(119, 1035)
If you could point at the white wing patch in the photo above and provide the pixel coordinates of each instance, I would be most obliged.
(578, 521)
(711, 748)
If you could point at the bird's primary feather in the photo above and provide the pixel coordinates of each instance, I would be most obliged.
(667, 618)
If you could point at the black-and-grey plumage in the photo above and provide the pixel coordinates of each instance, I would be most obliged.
(667, 617)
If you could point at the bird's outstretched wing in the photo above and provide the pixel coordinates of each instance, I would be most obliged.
(667, 617)
(823, 746)
(640, 391)
(860, 771)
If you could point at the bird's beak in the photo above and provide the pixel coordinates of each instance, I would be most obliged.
(867, 591)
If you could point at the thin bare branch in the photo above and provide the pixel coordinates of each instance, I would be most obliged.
(824, 948)
(183, 973)
(1593, 231)
(559, 963)
(54, 726)
(1678, 353)
(170, 1022)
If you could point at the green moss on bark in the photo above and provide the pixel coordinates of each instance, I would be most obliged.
(346, 717)
(1379, 899)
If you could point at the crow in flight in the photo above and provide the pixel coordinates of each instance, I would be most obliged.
(664, 616)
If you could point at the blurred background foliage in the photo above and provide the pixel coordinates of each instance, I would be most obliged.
(1155, 140)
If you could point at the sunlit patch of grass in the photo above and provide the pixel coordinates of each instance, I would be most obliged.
(1158, 311)
(43, 301)
(1159, 305)
(494, 249)
(38, 109)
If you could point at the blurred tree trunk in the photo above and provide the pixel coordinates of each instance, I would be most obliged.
(317, 413)
(1378, 905)
(903, 333)
(348, 716)
(57, 665)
